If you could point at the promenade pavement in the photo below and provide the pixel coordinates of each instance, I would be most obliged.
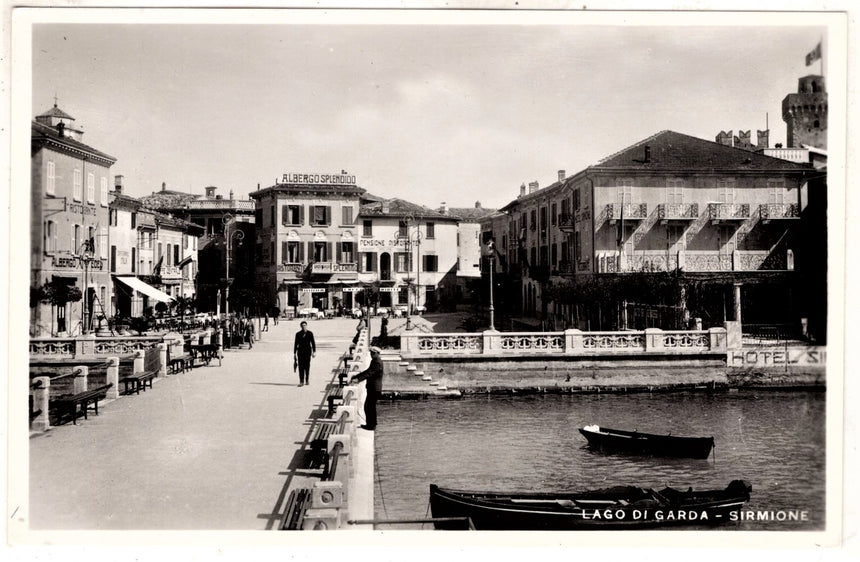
(216, 448)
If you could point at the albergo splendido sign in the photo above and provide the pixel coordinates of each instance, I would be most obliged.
(319, 179)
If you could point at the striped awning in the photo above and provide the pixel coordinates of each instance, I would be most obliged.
(147, 290)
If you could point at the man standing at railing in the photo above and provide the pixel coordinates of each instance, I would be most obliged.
(304, 349)
(373, 374)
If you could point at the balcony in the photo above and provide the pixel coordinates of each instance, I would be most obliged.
(322, 267)
(677, 212)
(290, 268)
(728, 212)
(346, 268)
(694, 261)
(627, 211)
(566, 222)
(778, 211)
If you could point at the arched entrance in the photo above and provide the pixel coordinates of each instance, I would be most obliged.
(384, 266)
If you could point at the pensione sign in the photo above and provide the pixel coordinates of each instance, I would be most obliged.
(319, 179)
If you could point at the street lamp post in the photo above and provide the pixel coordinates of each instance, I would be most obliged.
(491, 249)
(86, 257)
(228, 239)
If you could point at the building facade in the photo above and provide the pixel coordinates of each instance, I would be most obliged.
(69, 276)
(714, 215)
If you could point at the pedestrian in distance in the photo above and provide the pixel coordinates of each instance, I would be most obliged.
(362, 323)
(249, 333)
(304, 348)
(265, 322)
(383, 329)
(373, 388)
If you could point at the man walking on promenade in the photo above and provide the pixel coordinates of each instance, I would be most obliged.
(303, 349)
(373, 374)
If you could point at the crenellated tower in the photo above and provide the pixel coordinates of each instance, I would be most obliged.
(805, 113)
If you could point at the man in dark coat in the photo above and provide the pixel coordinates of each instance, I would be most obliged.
(373, 374)
(303, 349)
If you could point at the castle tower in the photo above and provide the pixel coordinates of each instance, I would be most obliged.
(805, 113)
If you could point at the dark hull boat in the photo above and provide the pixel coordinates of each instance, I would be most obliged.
(618, 440)
(619, 507)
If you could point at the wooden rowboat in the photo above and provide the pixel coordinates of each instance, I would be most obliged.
(618, 440)
(619, 507)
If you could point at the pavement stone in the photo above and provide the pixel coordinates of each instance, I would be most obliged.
(216, 448)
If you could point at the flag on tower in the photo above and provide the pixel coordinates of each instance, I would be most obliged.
(814, 55)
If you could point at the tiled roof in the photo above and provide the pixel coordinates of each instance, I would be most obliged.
(163, 200)
(122, 201)
(401, 208)
(470, 214)
(57, 112)
(43, 134)
(675, 151)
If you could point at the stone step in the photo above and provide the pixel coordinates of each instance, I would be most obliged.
(419, 372)
(434, 383)
(442, 387)
(403, 364)
(411, 368)
(426, 378)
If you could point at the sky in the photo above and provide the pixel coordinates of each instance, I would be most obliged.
(429, 113)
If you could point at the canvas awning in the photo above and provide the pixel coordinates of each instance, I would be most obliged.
(147, 290)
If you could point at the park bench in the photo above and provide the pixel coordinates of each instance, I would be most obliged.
(334, 398)
(69, 403)
(297, 503)
(206, 352)
(319, 441)
(138, 381)
(181, 363)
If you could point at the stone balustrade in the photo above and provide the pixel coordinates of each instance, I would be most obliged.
(569, 342)
(90, 345)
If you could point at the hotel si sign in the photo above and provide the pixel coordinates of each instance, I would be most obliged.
(318, 179)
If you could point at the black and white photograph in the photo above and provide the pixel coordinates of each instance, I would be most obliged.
(395, 273)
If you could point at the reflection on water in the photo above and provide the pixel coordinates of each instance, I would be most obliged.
(774, 440)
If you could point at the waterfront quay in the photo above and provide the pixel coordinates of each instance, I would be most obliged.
(212, 448)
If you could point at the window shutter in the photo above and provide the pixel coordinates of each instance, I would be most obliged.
(301, 252)
(373, 257)
(311, 215)
(310, 251)
(361, 262)
(339, 251)
(285, 251)
(301, 214)
(285, 214)
(328, 214)
(328, 253)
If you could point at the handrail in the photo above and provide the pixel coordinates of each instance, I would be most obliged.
(333, 456)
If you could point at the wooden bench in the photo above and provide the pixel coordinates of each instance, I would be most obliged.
(138, 381)
(319, 441)
(206, 352)
(297, 503)
(70, 402)
(181, 363)
(334, 398)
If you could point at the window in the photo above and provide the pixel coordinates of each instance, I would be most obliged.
(76, 239)
(544, 255)
(543, 220)
(113, 259)
(675, 238)
(577, 246)
(776, 191)
(291, 252)
(565, 207)
(624, 187)
(674, 191)
(258, 218)
(553, 254)
(367, 228)
(533, 219)
(320, 215)
(553, 213)
(103, 242)
(274, 216)
(431, 230)
(533, 256)
(368, 261)
(346, 215)
(51, 184)
(76, 185)
(431, 262)
(321, 251)
(345, 252)
(403, 295)
(103, 186)
(134, 222)
(402, 229)
(401, 262)
(726, 191)
(159, 255)
(133, 258)
(50, 236)
(576, 199)
(176, 259)
(91, 188)
(292, 214)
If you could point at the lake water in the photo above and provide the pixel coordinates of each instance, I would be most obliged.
(774, 440)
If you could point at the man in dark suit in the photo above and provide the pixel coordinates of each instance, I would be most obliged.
(303, 349)
(373, 374)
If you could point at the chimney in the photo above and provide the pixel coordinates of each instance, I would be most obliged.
(533, 186)
(522, 190)
(444, 208)
(210, 191)
(561, 175)
(117, 184)
(477, 204)
(647, 154)
(386, 208)
(231, 195)
(163, 186)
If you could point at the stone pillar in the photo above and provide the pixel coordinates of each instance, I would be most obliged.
(408, 342)
(734, 338)
(79, 382)
(572, 341)
(41, 398)
(737, 303)
(85, 345)
(321, 520)
(138, 361)
(113, 378)
(162, 360)
(718, 339)
(491, 341)
(653, 339)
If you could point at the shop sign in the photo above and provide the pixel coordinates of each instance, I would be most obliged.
(389, 289)
(384, 244)
(80, 209)
(314, 290)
